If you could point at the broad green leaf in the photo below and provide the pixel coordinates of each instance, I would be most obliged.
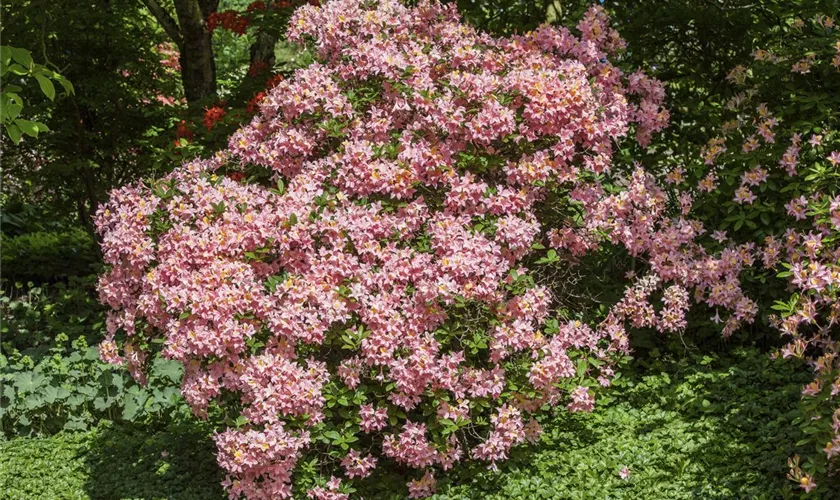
(12, 109)
(133, 406)
(30, 381)
(65, 83)
(47, 86)
(76, 400)
(17, 69)
(53, 394)
(33, 401)
(8, 391)
(167, 368)
(29, 128)
(75, 425)
(21, 56)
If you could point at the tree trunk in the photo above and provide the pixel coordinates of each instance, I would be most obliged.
(262, 51)
(198, 67)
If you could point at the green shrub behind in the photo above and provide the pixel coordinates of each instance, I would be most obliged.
(48, 255)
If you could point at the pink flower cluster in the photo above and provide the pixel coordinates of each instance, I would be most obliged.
(407, 168)
(805, 253)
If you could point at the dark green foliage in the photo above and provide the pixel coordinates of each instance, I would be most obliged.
(72, 389)
(699, 427)
(34, 315)
(114, 129)
(48, 255)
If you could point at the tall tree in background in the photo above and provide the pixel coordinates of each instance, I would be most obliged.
(194, 41)
(127, 119)
(191, 30)
(111, 130)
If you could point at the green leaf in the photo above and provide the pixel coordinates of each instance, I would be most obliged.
(17, 69)
(133, 405)
(30, 381)
(33, 401)
(5, 54)
(65, 83)
(167, 368)
(8, 392)
(581, 367)
(12, 109)
(765, 218)
(21, 56)
(75, 425)
(47, 86)
(14, 132)
(53, 394)
(29, 128)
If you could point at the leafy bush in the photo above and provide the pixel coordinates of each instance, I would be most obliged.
(363, 268)
(34, 315)
(351, 274)
(770, 177)
(70, 388)
(48, 255)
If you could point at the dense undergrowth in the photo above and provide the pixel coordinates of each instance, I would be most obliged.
(683, 426)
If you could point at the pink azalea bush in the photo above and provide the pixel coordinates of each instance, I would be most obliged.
(771, 175)
(352, 281)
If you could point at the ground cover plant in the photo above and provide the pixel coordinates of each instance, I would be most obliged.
(711, 426)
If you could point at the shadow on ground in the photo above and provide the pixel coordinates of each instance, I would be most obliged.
(175, 462)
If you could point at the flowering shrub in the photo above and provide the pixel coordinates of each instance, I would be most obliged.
(354, 280)
(771, 176)
(238, 22)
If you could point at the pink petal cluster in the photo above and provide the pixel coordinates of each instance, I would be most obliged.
(806, 255)
(357, 466)
(423, 487)
(330, 491)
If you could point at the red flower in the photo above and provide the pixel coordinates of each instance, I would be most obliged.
(212, 116)
(254, 103)
(273, 81)
(256, 68)
(229, 20)
(183, 132)
(254, 6)
(236, 176)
